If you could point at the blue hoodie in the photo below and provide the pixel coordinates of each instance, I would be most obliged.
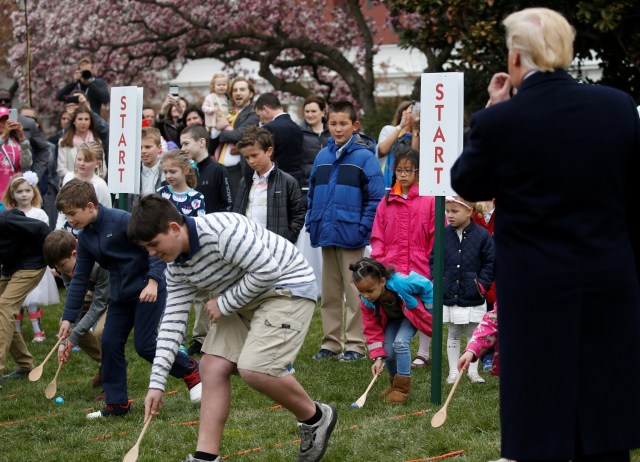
(344, 191)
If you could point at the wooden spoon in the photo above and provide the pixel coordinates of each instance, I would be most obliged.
(132, 455)
(36, 373)
(439, 417)
(50, 391)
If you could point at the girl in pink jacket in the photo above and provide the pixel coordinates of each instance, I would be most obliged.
(484, 337)
(394, 307)
(403, 230)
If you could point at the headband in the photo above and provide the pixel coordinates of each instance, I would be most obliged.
(28, 176)
(453, 199)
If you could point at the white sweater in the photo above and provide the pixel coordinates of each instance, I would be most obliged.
(237, 261)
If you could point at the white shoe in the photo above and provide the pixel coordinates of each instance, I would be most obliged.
(475, 377)
(502, 459)
(196, 393)
(452, 378)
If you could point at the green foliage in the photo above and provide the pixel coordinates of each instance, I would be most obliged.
(459, 35)
(34, 428)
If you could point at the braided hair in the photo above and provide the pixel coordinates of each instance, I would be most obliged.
(369, 267)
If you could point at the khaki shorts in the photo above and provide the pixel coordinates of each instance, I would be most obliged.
(265, 336)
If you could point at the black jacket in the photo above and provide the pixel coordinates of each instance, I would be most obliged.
(97, 93)
(312, 143)
(21, 241)
(213, 183)
(285, 207)
(465, 263)
(287, 149)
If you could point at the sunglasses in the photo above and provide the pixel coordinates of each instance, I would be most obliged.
(5, 100)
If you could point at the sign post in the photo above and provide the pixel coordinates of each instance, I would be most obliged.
(441, 130)
(124, 142)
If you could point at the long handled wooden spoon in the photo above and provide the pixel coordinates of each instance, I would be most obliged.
(360, 401)
(36, 373)
(439, 417)
(50, 391)
(132, 455)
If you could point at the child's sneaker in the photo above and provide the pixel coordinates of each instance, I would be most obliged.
(39, 337)
(475, 377)
(487, 362)
(451, 379)
(110, 410)
(190, 458)
(314, 439)
(194, 384)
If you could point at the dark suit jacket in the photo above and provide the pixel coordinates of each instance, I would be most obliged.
(287, 150)
(561, 159)
(39, 149)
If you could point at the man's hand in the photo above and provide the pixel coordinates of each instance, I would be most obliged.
(222, 123)
(150, 293)
(499, 88)
(213, 310)
(153, 402)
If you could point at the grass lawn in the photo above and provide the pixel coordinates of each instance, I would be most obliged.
(33, 428)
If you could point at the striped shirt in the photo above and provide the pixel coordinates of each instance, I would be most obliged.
(235, 260)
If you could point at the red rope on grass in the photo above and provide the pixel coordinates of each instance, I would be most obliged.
(443, 456)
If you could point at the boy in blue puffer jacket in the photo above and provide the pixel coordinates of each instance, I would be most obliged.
(345, 188)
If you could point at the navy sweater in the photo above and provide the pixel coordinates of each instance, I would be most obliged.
(105, 241)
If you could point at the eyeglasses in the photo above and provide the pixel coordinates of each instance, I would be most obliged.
(405, 172)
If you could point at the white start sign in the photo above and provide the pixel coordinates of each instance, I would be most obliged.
(441, 130)
(125, 124)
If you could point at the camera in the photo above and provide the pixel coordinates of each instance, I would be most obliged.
(86, 75)
(72, 98)
(415, 109)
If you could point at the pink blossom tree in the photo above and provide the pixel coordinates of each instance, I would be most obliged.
(302, 47)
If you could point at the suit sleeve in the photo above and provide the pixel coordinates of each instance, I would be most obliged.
(100, 90)
(66, 90)
(472, 173)
(233, 136)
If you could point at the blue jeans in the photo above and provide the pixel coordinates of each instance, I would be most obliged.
(397, 338)
(121, 319)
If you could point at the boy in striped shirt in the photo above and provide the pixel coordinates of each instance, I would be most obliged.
(262, 297)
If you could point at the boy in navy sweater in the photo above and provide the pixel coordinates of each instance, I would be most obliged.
(138, 293)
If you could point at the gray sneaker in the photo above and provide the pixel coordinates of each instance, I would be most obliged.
(190, 458)
(314, 439)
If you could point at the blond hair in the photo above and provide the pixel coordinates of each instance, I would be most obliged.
(16, 180)
(181, 159)
(218, 75)
(92, 150)
(543, 37)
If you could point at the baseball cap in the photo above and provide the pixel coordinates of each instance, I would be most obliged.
(4, 111)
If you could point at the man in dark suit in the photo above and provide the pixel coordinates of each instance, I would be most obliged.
(287, 135)
(39, 145)
(561, 160)
(242, 93)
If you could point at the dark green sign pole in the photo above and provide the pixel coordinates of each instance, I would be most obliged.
(436, 277)
(122, 201)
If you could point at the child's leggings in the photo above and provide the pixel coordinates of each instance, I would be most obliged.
(453, 346)
(35, 314)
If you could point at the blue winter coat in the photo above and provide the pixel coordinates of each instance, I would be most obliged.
(343, 194)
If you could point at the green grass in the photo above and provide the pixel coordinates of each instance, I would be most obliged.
(34, 428)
